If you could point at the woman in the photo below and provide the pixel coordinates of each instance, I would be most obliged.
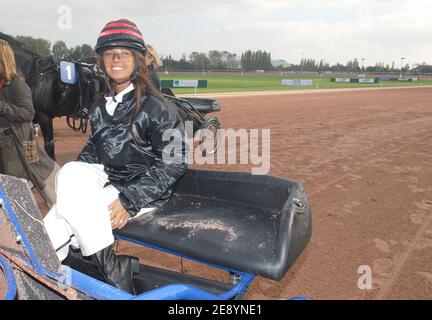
(20, 154)
(121, 171)
(153, 62)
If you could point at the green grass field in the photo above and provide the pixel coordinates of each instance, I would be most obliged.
(222, 82)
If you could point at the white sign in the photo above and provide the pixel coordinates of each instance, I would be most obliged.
(345, 80)
(297, 82)
(185, 83)
(366, 80)
(409, 79)
(68, 72)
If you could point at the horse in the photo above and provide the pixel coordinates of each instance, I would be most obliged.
(52, 97)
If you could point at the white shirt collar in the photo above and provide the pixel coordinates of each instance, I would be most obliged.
(111, 104)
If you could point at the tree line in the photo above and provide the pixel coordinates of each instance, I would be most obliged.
(261, 60)
(212, 60)
(353, 66)
(256, 60)
(59, 50)
(220, 60)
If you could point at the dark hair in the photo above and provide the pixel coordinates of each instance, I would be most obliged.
(144, 85)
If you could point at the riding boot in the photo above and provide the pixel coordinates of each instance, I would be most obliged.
(118, 271)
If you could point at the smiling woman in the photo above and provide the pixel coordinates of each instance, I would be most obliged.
(120, 173)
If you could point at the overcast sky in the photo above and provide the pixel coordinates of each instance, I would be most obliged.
(334, 30)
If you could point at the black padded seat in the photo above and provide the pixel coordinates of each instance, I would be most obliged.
(255, 224)
(204, 105)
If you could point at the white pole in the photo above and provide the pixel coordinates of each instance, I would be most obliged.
(302, 62)
(401, 74)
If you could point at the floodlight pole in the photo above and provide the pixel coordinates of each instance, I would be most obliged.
(321, 67)
(302, 62)
(401, 74)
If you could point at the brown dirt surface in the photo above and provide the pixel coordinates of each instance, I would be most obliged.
(364, 160)
(3, 285)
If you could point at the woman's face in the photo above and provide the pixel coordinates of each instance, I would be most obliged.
(119, 63)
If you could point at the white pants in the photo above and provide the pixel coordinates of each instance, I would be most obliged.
(81, 217)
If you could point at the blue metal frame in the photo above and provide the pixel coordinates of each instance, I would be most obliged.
(20, 232)
(240, 288)
(10, 279)
(100, 290)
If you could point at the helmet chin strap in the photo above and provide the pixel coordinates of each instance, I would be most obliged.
(120, 82)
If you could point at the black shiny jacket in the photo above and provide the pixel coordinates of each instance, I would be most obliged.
(134, 164)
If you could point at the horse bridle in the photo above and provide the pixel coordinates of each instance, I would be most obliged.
(50, 68)
(82, 111)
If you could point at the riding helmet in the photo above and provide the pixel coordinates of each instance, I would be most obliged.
(120, 33)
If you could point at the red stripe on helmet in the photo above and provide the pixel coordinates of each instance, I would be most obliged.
(114, 31)
(118, 24)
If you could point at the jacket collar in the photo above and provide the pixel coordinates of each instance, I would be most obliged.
(119, 97)
(112, 102)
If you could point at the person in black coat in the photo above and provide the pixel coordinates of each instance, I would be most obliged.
(129, 164)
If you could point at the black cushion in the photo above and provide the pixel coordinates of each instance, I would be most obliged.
(255, 224)
(204, 105)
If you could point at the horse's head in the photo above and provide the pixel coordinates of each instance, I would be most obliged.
(44, 83)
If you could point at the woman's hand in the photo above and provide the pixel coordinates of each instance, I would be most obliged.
(119, 216)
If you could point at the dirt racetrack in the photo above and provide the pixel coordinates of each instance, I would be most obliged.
(364, 158)
(2, 284)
